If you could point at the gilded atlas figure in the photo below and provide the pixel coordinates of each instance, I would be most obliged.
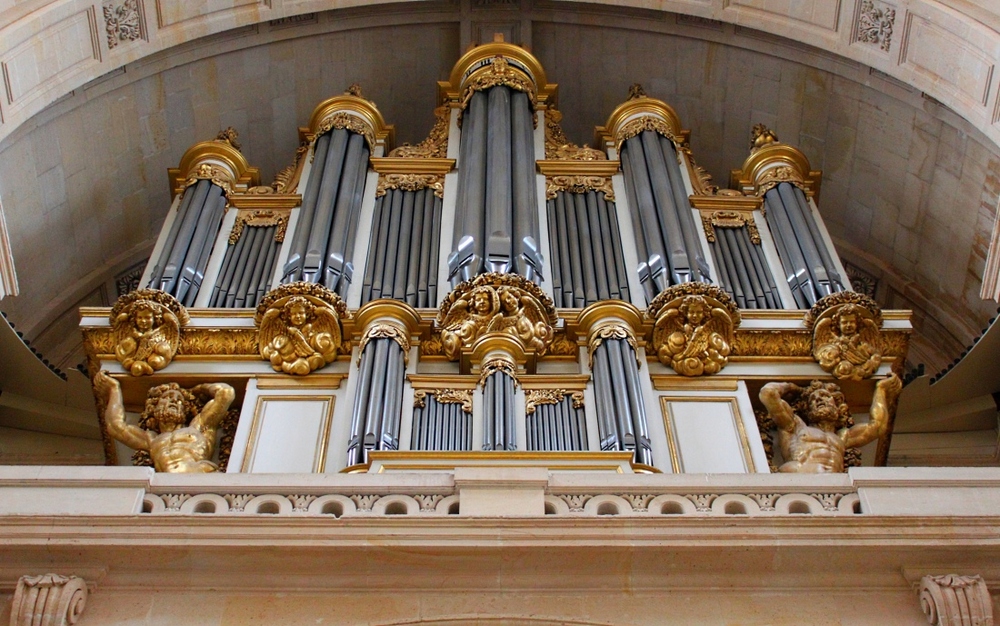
(845, 329)
(299, 328)
(504, 303)
(178, 437)
(146, 325)
(693, 332)
(812, 434)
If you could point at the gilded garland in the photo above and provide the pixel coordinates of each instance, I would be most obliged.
(146, 328)
(410, 182)
(385, 330)
(641, 124)
(504, 303)
(498, 364)
(578, 184)
(694, 328)
(777, 175)
(534, 397)
(353, 123)
(846, 338)
(612, 330)
(299, 328)
(444, 396)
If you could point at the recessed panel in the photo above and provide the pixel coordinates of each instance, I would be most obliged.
(290, 434)
(706, 435)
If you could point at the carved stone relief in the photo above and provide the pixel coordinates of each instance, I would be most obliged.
(874, 25)
(122, 21)
(48, 600)
(954, 600)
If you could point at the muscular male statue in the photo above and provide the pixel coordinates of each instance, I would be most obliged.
(174, 444)
(815, 442)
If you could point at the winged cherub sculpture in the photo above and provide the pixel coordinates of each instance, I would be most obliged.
(146, 328)
(846, 341)
(694, 328)
(299, 327)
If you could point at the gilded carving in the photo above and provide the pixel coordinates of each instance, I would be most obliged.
(354, 90)
(694, 328)
(436, 144)
(121, 22)
(562, 346)
(218, 175)
(499, 72)
(227, 341)
(410, 182)
(730, 219)
(353, 123)
(230, 136)
(635, 91)
(384, 330)
(846, 340)
(761, 136)
(813, 430)
(48, 600)
(559, 147)
(299, 329)
(178, 426)
(432, 346)
(634, 127)
(260, 219)
(875, 24)
(146, 328)
(534, 397)
(498, 364)
(777, 175)
(506, 303)
(772, 343)
(578, 184)
(444, 396)
(612, 330)
(701, 180)
(287, 179)
(954, 600)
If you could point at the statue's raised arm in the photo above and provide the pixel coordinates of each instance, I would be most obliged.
(886, 393)
(220, 396)
(114, 414)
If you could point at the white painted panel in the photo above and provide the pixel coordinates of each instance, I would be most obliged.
(289, 434)
(705, 435)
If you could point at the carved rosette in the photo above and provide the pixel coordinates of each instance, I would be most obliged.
(578, 184)
(496, 303)
(954, 600)
(846, 337)
(410, 182)
(535, 397)
(694, 328)
(48, 600)
(299, 327)
(385, 330)
(436, 144)
(146, 330)
(444, 396)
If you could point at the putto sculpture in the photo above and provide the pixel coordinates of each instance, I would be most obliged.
(694, 326)
(179, 437)
(812, 434)
(504, 303)
(146, 325)
(845, 329)
(299, 328)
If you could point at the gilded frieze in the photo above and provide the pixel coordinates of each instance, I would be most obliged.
(219, 176)
(730, 219)
(772, 343)
(694, 328)
(634, 127)
(410, 182)
(299, 327)
(499, 72)
(261, 219)
(535, 397)
(444, 396)
(578, 184)
(353, 123)
(846, 338)
(496, 303)
(146, 326)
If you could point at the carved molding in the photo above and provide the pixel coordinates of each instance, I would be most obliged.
(219, 176)
(634, 127)
(578, 184)
(499, 72)
(612, 330)
(122, 22)
(498, 364)
(444, 396)
(730, 219)
(559, 147)
(48, 600)
(875, 22)
(954, 600)
(260, 219)
(353, 123)
(410, 182)
(383, 330)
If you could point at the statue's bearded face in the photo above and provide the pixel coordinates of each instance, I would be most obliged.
(823, 406)
(169, 411)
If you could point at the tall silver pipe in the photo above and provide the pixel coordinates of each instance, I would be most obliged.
(472, 175)
(427, 264)
(688, 228)
(386, 270)
(253, 261)
(361, 399)
(403, 250)
(602, 245)
(344, 214)
(330, 179)
(575, 254)
(374, 248)
(175, 226)
(728, 258)
(416, 426)
(814, 262)
(229, 296)
(415, 249)
(488, 414)
(563, 237)
(668, 212)
(586, 237)
(376, 401)
(357, 199)
(742, 239)
(393, 397)
(554, 236)
(435, 253)
(619, 261)
(174, 257)
(525, 197)
(607, 424)
(499, 207)
(258, 284)
(207, 226)
(837, 283)
(639, 231)
(793, 262)
(300, 238)
(215, 209)
(636, 405)
(227, 270)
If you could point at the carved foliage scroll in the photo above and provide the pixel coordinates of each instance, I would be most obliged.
(956, 601)
(48, 600)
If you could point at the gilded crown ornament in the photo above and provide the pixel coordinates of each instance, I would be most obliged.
(846, 338)
(501, 303)
(146, 325)
(694, 328)
(299, 327)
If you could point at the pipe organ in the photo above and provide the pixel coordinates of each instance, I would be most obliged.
(498, 294)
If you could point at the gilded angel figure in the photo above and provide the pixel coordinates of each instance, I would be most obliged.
(845, 343)
(298, 337)
(521, 316)
(146, 330)
(467, 318)
(694, 338)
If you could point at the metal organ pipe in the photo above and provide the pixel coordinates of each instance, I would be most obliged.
(620, 409)
(378, 403)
